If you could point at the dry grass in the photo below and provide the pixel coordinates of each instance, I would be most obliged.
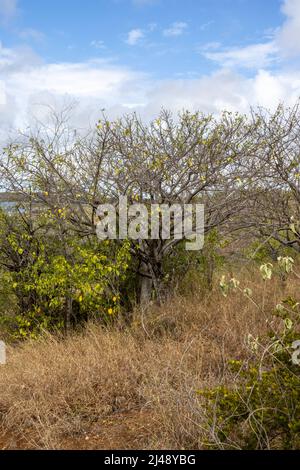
(130, 388)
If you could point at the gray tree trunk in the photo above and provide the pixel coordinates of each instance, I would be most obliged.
(68, 315)
(146, 284)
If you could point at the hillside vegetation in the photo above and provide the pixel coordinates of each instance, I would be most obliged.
(135, 341)
(138, 386)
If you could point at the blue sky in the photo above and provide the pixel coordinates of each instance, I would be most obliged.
(144, 54)
(162, 37)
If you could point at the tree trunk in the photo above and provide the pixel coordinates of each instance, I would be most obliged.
(68, 315)
(146, 284)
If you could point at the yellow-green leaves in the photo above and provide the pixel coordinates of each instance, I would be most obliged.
(266, 271)
(286, 264)
(87, 277)
(248, 292)
(226, 286)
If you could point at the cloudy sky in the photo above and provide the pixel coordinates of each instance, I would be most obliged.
(143, 54)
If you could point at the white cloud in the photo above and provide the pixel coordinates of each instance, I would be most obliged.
(30, 33)
(224, 90)
(7, 56)
(210, 46)
(134, 36)
(283, 42)
(2, 93)
(97, 44)
(289, 35)
(270, 89)
(8, 9)
(253, 56)
(205, 26)
(28, 85)
(176, 29)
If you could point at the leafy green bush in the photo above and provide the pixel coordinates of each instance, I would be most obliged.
(56, 280)
(69, 289)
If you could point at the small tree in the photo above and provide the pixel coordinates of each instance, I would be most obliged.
(187, 159)
(193, 158)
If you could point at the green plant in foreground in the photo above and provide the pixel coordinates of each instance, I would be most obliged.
(259, 406)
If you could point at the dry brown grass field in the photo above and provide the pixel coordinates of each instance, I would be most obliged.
(131, 387)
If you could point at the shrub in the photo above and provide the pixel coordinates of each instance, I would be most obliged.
(258, 406)
(56, 280)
